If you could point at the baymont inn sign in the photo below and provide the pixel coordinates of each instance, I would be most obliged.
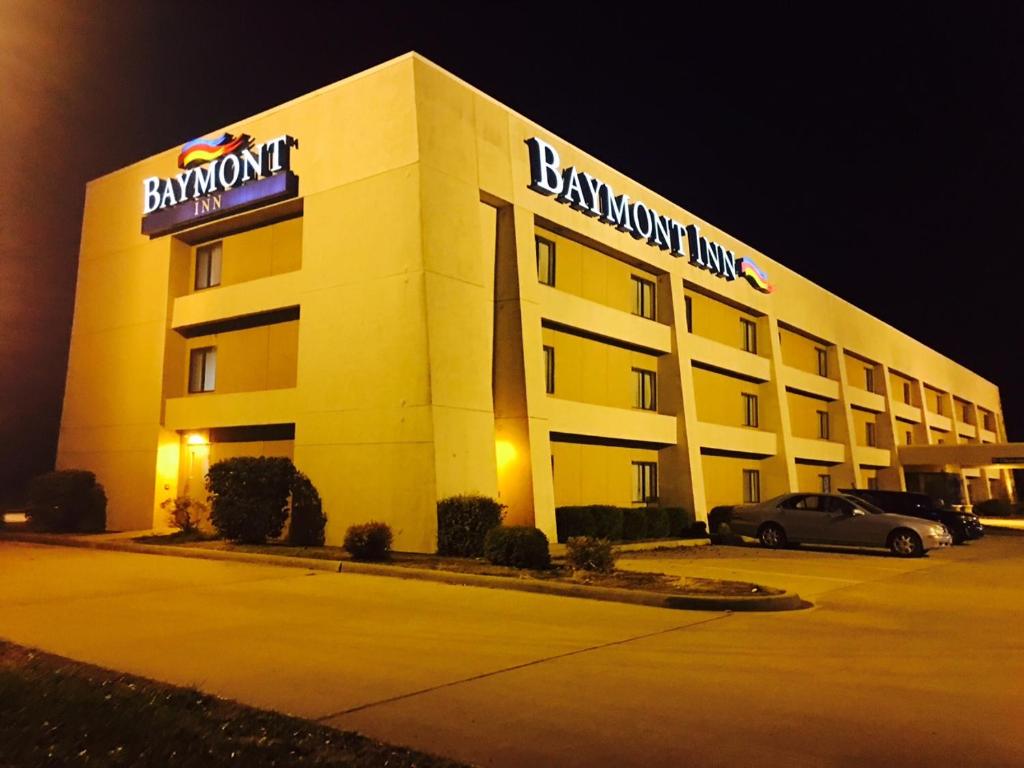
(219, 176)
(593, 197)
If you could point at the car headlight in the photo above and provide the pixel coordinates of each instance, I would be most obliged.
(939, 530)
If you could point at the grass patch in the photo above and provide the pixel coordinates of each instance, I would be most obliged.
(54, 711)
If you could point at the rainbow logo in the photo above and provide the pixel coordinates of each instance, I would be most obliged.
(199, 151)
(755, 276)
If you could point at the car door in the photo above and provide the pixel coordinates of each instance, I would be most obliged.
(847, 524)
(801, 516)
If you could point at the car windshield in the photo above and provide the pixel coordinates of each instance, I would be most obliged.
(867, 506)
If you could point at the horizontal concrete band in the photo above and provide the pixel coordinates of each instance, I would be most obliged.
(784, 602)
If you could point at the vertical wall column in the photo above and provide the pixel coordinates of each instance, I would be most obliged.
(847, 432)
(985, 489)
(781, 475)
(890, 478)
(525, 482)
(954, 420)
(681, 480)
(926, 421)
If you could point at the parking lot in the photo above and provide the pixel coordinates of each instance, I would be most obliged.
(812, 571)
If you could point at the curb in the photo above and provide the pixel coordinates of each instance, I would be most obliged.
(787, 601)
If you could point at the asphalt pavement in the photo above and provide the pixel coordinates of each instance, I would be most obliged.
(900, 662)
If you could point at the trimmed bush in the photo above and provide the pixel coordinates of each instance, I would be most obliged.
(698, 529)
(369, 541)
(463, 523)
(306, 528)
(679, 521)
(67, 501)
(993, 508)
(634, 523)
(520, 546)
(585, 553)
(607, 522)
(185, 513)
(574, 521)
(657, 523)
(249, 497)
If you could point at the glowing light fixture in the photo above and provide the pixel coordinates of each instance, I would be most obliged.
(195, 439)
(505, 453)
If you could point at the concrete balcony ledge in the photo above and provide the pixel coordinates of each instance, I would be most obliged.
(986, 435)
(810, 383)
(570, 417)
(597, 320)
(269, 406)
(866, 456)
(723, 357)
(239, 300)
(721, 437)
(818, 450)
(967, 430)
(906, 412)
(868, 401)
(944, 423)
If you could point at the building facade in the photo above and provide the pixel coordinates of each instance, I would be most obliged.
(414, 292)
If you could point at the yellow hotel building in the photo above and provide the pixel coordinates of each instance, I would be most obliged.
(429, 295)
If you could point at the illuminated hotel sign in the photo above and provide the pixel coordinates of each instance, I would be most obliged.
(593, 197)
(218, 177)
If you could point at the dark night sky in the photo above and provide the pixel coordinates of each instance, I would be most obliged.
(877, 153)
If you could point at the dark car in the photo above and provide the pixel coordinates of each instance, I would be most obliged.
(963, 526)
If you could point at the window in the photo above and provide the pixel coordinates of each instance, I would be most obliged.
(872, 483)
(938, 404)
(869, 433)
(643, 298)
(549, 369)
(967, 414)
(645, 482)
(906, 392)
(822, 361)
(823, 432)
(751, 486)
(688, 303)
(749, 328)
(208, 259)
(986, 421)
(202, 369)
(749, 410)
(869, 379)
(826, 483)
(910, 437)
(644, 389)
(545, 261)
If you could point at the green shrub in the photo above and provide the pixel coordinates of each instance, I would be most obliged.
(993, 508)
(574, 521)
(679, 522)
(607, 522)
(463, 523)
(369, 541)
(585, 553)
(634, 523)
(67, 501)
(698, 529)
(185, 513)
(306, 528)
(520, 546)
(657, 523)
(249, 497)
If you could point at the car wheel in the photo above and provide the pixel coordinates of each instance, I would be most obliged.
(772, 536)
(905, 543)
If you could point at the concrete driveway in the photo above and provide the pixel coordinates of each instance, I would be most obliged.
(917, 665)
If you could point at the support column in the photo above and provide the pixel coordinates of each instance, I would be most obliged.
(842, 417)
(681, 480)
(781, 475)
(891, 478)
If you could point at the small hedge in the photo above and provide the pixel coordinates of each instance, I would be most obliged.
(585, 553)
(369, 541)
(993, 508)
(463, 523)
(67, 501)
(185, 513)
(634, 523)
(306, 528)
(601, 521)
(519, 546)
